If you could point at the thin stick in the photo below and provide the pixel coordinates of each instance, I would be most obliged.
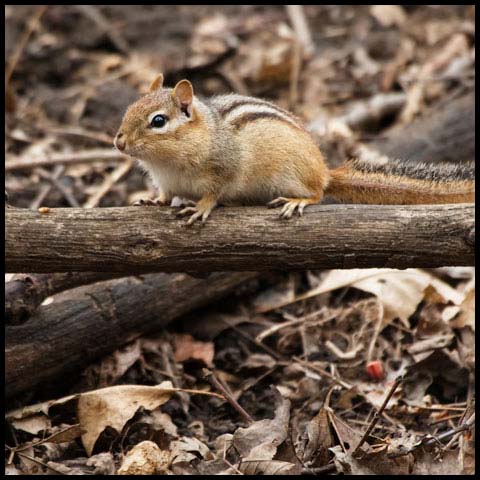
(434, 440)
(35, 460)
(82, 132)
(322, 372)
(95, 155)
(106, 27)
(67, 194)
(219, 386)
(31, 27)
(299, 22)
(377, 414)
(108, 183)
(46, 189)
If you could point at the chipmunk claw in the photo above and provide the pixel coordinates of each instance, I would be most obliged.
(148, 202)
(199, 211)
(290, 205)
(277, 202)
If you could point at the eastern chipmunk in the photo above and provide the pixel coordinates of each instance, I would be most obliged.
(232, 149)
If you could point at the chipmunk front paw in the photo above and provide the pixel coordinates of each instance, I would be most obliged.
(201, 210)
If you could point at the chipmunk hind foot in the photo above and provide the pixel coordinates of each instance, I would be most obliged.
(292, 204)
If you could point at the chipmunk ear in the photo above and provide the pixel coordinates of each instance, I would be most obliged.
(156, 84)
(183, 94)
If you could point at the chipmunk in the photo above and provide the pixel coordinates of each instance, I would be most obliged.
(233, 149)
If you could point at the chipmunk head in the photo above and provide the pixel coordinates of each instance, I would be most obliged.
(152, 126)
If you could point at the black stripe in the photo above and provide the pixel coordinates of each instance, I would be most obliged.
(251, 117)
(254, 101)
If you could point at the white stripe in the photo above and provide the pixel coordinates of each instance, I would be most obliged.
(245, 109)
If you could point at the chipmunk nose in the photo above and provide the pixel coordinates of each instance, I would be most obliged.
(120, 141)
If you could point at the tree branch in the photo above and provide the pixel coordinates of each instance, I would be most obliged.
(148, 239)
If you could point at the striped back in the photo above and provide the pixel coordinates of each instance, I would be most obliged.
(238, 110)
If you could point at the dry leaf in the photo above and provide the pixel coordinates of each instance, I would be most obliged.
(186, 347)
(399, 291)
(319, 440)
(114, 406)
(464, 314)
(145, 458)
(436, 463)
(372, 463)
(266, 467)
(32, 424)
(39, 408)
(186, 449)
(260, 440)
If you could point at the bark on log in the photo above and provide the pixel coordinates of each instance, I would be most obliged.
(24, 293)
(89, 322)
(140, 240)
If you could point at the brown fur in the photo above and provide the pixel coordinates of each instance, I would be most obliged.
(352, 185)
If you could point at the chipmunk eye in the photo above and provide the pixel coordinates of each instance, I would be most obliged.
(158, 121)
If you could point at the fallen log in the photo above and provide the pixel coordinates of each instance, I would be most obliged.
(88, 322)
(148, 239)
(24, 293)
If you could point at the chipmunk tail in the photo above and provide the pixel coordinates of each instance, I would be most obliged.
(396, 182)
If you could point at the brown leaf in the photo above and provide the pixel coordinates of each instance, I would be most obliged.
(145, 458)
(114, 406)
(319, 440)
(436, 463)
(260, 440)
(266, 467)
(372, 463)
(186, 347)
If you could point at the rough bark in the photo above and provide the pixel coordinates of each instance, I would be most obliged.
(24, 293)
(88, 322)
(140, 240)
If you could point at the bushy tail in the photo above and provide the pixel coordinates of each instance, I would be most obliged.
(402, 183)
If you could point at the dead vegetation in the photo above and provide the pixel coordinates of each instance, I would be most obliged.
(340, 371)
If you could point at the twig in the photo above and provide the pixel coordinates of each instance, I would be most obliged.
(376, 332)
(377, 414)
(219, 386)
(35, 460)
(296, 15)
(31, 27)
(429, 440)
(106, 27)
(108, 183)
(303, 46)
(95, 155)
(82, 132)
(295, 73)
(255, 341)
(67, 194)
(46, 189)
(323, 372)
